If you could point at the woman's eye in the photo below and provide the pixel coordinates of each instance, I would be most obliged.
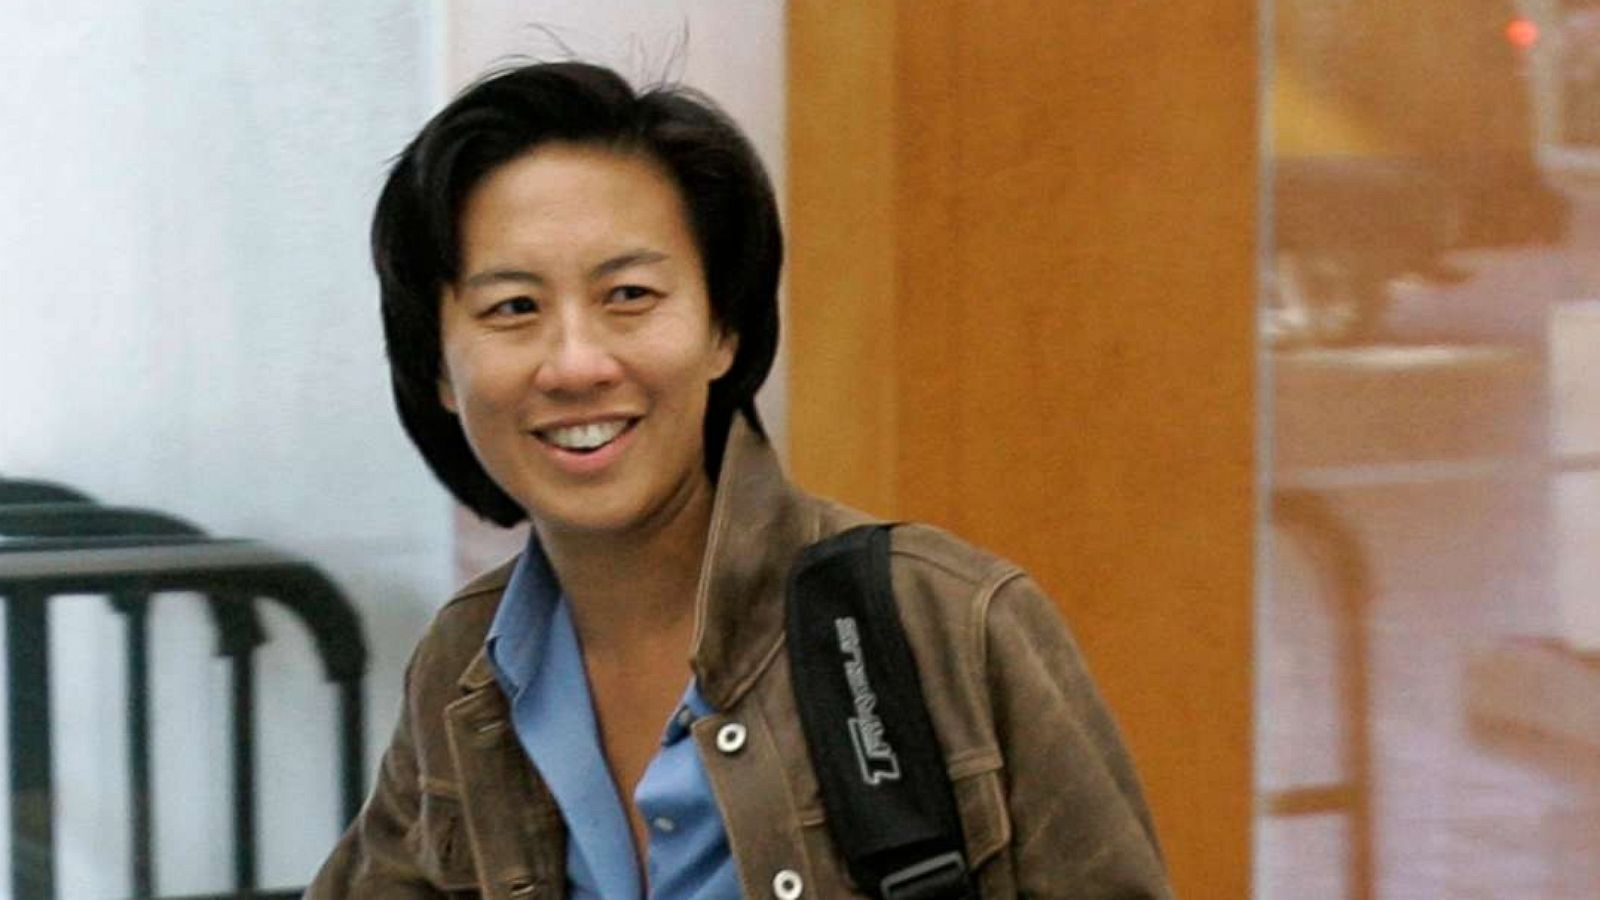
(516, 306)
(631, 293)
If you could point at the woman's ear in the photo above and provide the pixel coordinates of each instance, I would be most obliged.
(447, 392)
(726, 350)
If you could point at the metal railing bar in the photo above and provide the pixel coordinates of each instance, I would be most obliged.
(217, 567)
(27, 490)
(28, 704)
(136, 618)
(23, 544)
(244, 775)
(352, 714)
(1311, 518)
(88, 520)
(238, 642)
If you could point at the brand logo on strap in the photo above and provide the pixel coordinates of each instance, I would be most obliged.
(877, 759)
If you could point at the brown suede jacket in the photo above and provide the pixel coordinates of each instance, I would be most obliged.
(1049, 802)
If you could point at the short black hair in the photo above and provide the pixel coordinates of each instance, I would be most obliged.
(416, 246)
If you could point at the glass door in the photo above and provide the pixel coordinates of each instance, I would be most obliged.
(1429, 662)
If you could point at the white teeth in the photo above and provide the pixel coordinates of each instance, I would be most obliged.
(585, 437)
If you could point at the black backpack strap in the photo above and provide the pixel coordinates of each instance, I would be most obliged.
(891, 809)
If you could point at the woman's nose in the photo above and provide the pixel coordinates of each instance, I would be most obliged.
(578, 357)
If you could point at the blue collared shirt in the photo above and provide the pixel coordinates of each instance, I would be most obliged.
(533, 649)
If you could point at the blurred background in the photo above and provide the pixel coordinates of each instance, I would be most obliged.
(1266, 335)
(1429, 655)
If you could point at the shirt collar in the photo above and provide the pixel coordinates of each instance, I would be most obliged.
(522, 623)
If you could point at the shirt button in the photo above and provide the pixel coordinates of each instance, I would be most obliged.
(786, 885)
(730, 738)
(664, 824)
(685, 716)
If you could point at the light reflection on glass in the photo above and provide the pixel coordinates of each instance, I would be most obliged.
(1430, 656)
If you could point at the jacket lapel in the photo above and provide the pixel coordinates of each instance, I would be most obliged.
(759, 524)
(511, 817)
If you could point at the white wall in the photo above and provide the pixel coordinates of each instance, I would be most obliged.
(188, 322)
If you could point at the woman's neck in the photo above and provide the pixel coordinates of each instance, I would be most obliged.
(636, 589)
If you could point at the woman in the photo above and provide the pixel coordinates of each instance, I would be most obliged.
(579, 293)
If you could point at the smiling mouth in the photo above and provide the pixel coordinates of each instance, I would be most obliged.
(585, 438)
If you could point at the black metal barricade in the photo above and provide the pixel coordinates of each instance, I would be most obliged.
(65, 524)
(30, 491)
(128, 555)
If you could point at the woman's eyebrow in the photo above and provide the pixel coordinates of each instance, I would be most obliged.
(626, 260)
(521, 276)
(498, 276)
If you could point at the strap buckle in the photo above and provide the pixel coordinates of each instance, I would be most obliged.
(937, 878)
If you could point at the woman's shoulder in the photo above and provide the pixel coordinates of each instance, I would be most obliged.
(472, 606)
(927, 562)
(943, 585)
(933, 548)
(456, 634)
(917, 545)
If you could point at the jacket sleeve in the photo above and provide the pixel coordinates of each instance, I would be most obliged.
(1080, 827)
(377, 857)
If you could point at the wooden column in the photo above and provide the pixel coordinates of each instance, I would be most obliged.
(1021, 306)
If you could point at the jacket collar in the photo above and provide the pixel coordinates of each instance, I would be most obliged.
(759, 524)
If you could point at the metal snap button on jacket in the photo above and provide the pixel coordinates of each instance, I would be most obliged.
(730, 738)
(786, 885)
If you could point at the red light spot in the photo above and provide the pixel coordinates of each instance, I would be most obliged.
(1522, 33)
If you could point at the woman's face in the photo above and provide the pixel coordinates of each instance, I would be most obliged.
(578, 342)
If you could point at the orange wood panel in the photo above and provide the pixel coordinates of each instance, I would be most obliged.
(1063, 320)
(843, 204)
